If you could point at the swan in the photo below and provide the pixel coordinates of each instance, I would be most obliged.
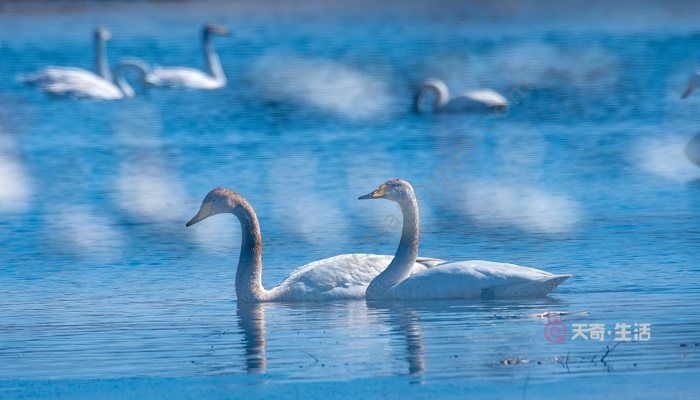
(693, 84)
(341, 277)
(448, 280)
(78, 83)
(471, 101)
(190, 78)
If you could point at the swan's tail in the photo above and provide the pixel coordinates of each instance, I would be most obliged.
(551, 283)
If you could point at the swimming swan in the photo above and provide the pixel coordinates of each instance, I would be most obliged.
(183, 77)
(336, 278)
(449, 280)
(78, 83)
(471, 101)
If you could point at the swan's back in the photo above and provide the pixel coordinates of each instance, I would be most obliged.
(182, 77)
(476, 100)
(338, 278)
(73, 82)
(477, 279)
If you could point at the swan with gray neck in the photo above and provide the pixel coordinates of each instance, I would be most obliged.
(471, 101)
(449, 280)
(341, 277)
(78, 83)
(190, 78)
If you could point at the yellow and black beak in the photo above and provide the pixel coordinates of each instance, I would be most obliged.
(377, 194)
(204, 212)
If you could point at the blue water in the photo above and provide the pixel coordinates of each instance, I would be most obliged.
(585, 175)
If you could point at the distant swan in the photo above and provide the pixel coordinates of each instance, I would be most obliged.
(471, 101)
(449, 280)
(78, 83)
(337, 278)
(183, 77)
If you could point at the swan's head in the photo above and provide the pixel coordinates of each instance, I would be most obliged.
(693, 85)
(394, 189)
(215, 29)
(217, 201)
(103, 33)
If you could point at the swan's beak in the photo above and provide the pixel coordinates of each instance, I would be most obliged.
(377, 194)
(687, 92)
(204, 212)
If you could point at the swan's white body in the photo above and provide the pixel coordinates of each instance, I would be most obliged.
(448, 280)
(78, 83)
(474, 279)
(341, 277)
(74, 83)
(191, 78)
(469, 101)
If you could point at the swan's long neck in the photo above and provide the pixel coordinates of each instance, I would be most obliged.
(211, 59)
(101, 66)
(400, 267)
(141, 69)
(249, 274)
(442, 94)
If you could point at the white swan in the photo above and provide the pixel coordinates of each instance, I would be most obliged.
(693, 84)
(78, 83)
(471, 101)
(183, 77)
(449, 280)
(337, 278)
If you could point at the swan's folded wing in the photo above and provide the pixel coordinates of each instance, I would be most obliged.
(475, 279)
(180, 77)
(341, 277)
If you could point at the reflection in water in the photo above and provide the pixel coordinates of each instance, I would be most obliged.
(15, 190)
(88, 234)
(405, 322)
(145, 188)
(251, 319)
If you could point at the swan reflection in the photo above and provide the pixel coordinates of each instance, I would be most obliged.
(251, 320)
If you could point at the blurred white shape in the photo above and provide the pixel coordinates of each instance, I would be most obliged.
(138, 125)
(524, 207)
(532, 65)
(88, 235)
(146, 190)
(666, 157)
(15, 188)
(300, 203)
(322, 84)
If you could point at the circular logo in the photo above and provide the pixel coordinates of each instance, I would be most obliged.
(555, 331)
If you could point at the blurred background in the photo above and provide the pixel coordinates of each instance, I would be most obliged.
(585, 173)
